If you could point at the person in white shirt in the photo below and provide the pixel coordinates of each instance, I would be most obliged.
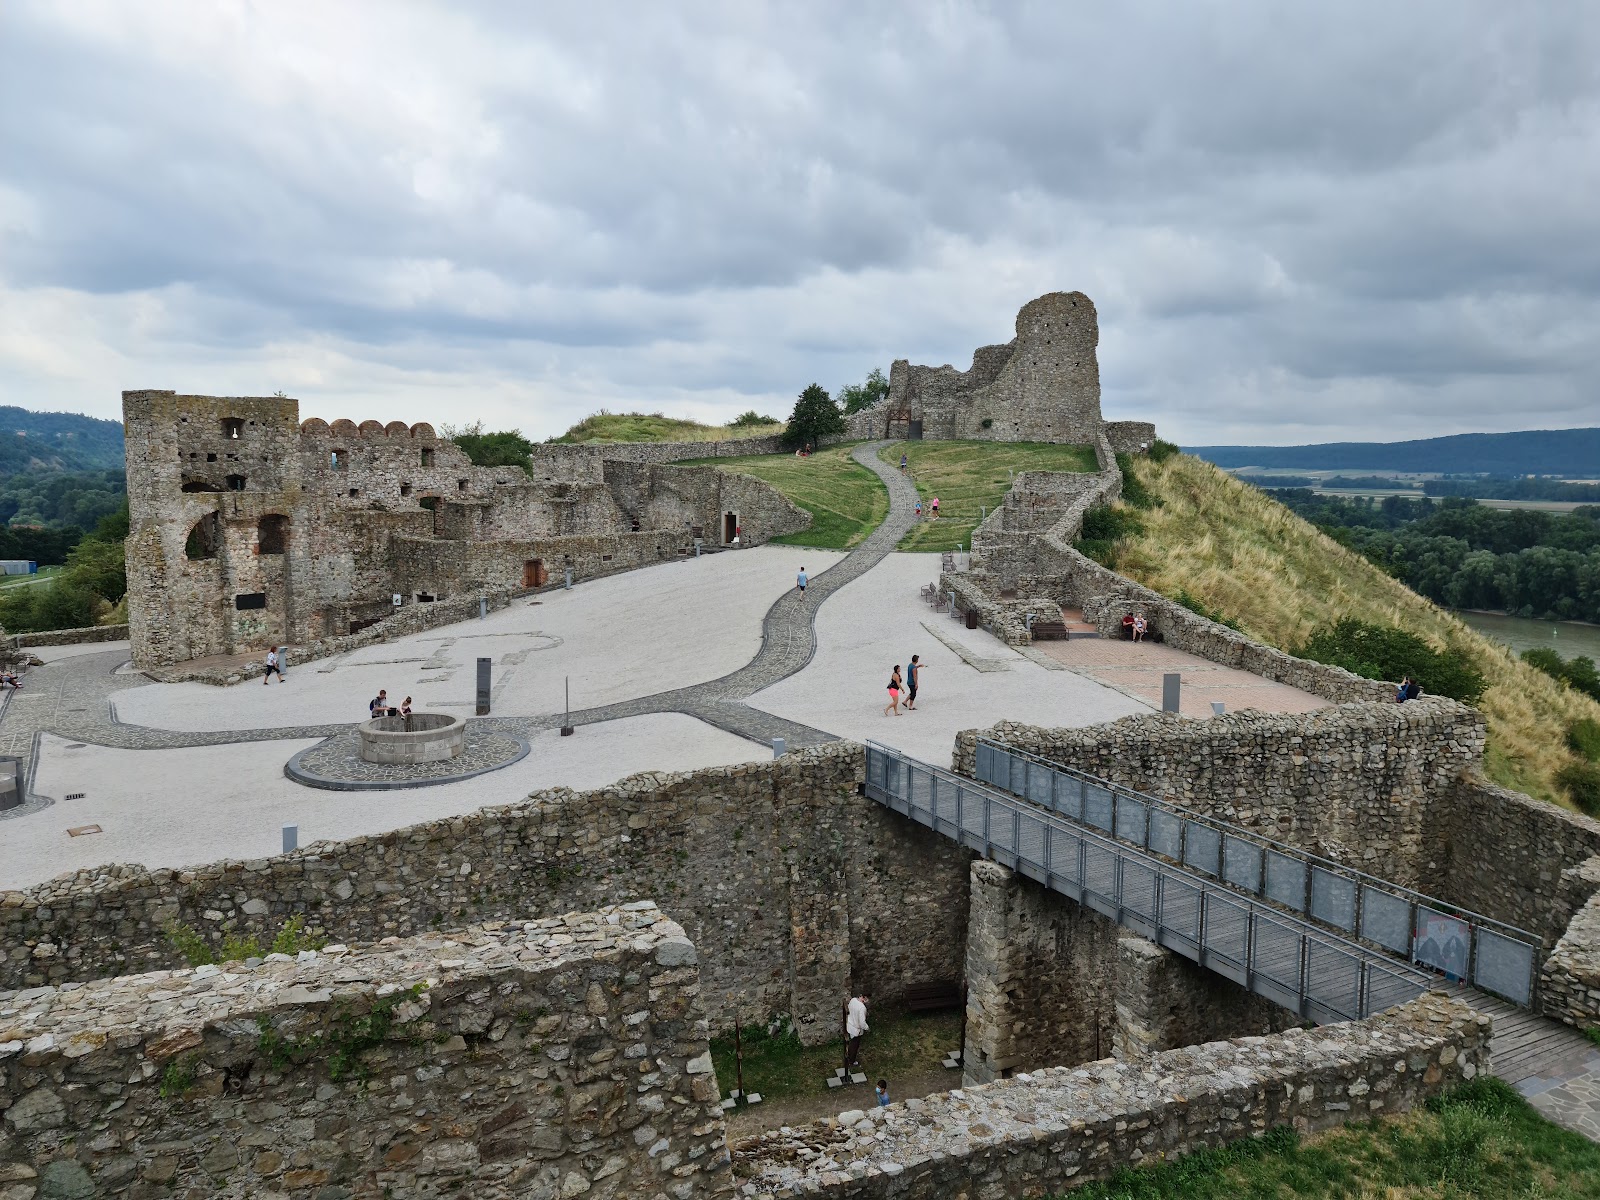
(855, 1025)
(273, 668)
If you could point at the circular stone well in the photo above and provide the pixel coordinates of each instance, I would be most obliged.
(419, 738)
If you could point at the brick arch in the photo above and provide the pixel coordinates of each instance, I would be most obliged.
(371, 427)
(314, 425)
(423, 430)
(345, 428)
(397, 428)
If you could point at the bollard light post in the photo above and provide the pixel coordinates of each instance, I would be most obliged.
(1218, 708)
(291, 838)
(777, 747)
(1170, 685)
(483, 687)
(569, 579)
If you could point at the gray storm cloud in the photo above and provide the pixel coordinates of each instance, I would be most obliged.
(1373, 222)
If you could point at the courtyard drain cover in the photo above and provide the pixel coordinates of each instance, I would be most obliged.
(83, 830)
(76, 745)
(74, 795)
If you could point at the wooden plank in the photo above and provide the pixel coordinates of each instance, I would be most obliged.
(1550, 1059)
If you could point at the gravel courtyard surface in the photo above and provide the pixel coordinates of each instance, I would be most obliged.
(168, 808)
(880, 620)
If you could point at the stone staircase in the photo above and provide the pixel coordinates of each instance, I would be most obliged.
(1076, 626)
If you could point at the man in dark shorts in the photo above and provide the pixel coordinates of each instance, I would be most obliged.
(800, 581)
(912, 675)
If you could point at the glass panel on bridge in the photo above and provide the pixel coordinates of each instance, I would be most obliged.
(1286, 881)
(1131, 819)
(1333, 899)
(1201, 847)
(1039, 780)
(1385, 919)
(1097, 807)
(1504, 967)
(1166, 833)
(1241, 863)
(1443, 942)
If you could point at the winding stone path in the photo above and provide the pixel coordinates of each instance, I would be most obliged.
(75, 697)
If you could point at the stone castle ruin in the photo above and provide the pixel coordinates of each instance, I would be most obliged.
(249, 527)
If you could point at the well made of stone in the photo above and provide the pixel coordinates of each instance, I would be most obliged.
(418, 738)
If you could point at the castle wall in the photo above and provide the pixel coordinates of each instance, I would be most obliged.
(249, 528)
(1047, 1131)
(559, 1057)
(791, 883)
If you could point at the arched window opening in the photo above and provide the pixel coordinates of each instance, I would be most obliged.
(199, 485)
(204, 539)
(272, 534)
(236, 483)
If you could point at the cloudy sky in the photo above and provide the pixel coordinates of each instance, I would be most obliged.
(1299, 223)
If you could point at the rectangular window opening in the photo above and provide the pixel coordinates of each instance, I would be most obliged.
(245, 601)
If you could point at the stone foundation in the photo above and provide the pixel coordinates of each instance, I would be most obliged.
(1048, 1131)
(560, 1057)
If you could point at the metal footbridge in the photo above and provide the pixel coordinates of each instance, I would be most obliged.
(1322, 940)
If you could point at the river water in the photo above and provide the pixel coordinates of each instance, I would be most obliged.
(1567, 638)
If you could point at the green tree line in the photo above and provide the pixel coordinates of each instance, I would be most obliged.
(90, 591)
(1463, 555)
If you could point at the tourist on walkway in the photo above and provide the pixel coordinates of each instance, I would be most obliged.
(894, 693)
(902, 464)
(378, 706)
(272, 668)
(913, 673)
(855, 1027)
(800, 582)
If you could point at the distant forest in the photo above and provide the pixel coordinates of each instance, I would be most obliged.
(1573, 452)
(1461, 554)
(49, 441)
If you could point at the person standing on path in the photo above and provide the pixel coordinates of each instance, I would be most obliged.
(272, 668)
(913, 673)
(894, 692)
(902, 464)
(800, 582)
(855, 1028)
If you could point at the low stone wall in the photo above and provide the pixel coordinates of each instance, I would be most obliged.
(561, 455)
(1040, 1133)
(1510, 856)
(1353, 782)
(1569, 982)
(1130, 437)
(70, 637)
(559, 1057)
(792, 884)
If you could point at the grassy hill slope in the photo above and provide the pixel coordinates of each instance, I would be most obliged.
(1244, 554)
(846, 501)
(653, 427)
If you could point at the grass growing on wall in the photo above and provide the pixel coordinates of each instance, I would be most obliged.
(1483, 1140)
(653, 427)
(780, 1068)
(1239, 552)
(846, 501)
(967, 476)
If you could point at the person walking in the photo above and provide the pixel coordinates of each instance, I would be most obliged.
(894, 693)
(919, 510)
(936, 508)
(800, 582)
(913, 673)
(855, 1028)
(902, 464)
(273, 668)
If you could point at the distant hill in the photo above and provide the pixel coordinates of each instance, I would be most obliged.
(51, 441)
(1533, 452)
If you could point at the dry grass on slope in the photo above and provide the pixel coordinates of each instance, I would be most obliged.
(1242, 553)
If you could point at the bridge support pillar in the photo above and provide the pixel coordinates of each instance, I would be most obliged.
(1164, 1001)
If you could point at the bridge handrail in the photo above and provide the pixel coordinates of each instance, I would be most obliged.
(1313, 942)
(1364, 909)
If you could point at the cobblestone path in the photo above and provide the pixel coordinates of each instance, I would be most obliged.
(76, 697)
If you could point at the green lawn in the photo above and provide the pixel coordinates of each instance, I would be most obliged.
(1481, 1141)
(7, 581)
(653, 427)
(846, 501)
(966, 476)
(781, 1068)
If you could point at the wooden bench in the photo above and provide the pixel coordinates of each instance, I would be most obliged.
(1049, 631)
(937, 996)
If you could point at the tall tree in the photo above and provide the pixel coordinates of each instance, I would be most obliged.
(815, 416)
(864, 395)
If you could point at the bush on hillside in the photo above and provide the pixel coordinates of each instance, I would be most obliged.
(1577, 673)
(1199, 607)
(857, 396)
(1133, 492)
(503, 448)
(815, 417)
(1583, 738)
(1581, 781)
(1379, 652)
(1103, 527)
(1160, 451)
(746, 419)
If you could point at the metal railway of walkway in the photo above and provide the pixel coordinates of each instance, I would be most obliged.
(1293, 928)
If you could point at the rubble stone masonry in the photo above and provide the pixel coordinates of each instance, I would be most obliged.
(560, 1057)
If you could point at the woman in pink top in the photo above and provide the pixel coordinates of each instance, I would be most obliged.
(936, 506)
